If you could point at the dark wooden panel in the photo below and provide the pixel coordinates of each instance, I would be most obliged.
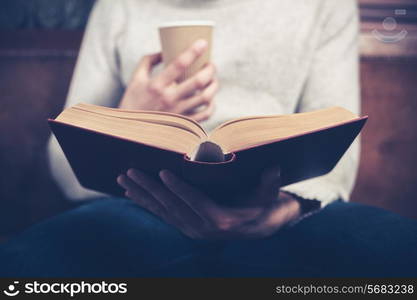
(33, 86)
(388, 172)
(31, 42)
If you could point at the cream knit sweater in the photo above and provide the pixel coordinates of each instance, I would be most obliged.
(273, 57)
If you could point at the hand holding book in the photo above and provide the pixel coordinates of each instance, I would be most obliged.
(200, 217)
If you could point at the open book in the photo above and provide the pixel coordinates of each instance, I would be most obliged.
(101, 143)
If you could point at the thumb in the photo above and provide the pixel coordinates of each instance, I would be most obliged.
(270, 184)
(147, 63)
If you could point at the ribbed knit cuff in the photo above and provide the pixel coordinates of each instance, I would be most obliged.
(313, 195)
(315, 189)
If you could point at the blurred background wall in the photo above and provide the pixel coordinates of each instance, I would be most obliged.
(44, 14)
(39, 42)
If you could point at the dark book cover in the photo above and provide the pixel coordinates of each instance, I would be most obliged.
(97, 159)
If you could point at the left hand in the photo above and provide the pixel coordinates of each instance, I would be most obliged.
(199, 217)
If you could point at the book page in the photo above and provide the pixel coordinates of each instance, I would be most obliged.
(170, 119)
(248, 132)
(174, 137)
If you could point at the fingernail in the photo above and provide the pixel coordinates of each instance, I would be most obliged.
(130, 172)
(119, 179)
(164, 174)
(135, 174)
(200, 44)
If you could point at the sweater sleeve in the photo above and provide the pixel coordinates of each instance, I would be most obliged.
(95, 80)
(333, 80)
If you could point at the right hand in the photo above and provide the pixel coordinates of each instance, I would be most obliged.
(163, 93)
(198, 216)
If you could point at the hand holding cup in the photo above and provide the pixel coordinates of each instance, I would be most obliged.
(188, 83)
(170, 91)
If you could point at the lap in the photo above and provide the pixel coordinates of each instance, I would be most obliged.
(344, 239)
(107, 236)
(115, 237)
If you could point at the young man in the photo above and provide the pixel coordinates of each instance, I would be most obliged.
(270, 57)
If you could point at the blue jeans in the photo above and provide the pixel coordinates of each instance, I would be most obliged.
(115, 237)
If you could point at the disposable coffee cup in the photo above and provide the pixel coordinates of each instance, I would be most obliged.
(176, 37)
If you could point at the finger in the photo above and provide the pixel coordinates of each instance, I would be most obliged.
(146, 64)
(265, 195)
(140, 196)
(203, 98)
(152, 187)
(181, 63)
(270, 184)
(197, 82)
(174, 206)
(198, 202)
(205, 113)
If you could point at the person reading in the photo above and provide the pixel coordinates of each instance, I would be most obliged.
(269, 58)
